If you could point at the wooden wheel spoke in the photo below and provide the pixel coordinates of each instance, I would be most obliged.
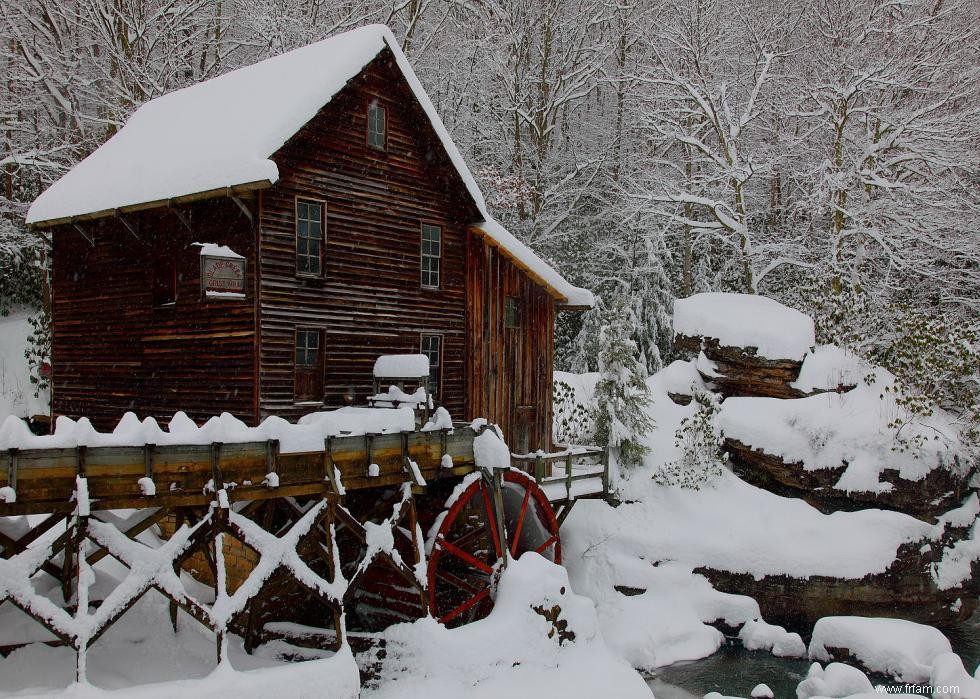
(491, 520)
(465, 606)
(543, 547)
(466, 538)
(464, 555)
(458, 582)
(520, 523)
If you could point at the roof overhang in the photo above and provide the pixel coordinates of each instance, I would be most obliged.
(233, 190)
(527, 262)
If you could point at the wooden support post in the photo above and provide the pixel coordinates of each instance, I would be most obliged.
(498, 513)
(331, 467)
(148, 461)
(217, 480)
(538, 468)
(568, 475)
(272, 456)
(12, 469)
(181, 217)
(129, 227)
(81, 592)
(219, 524)
(241, 205)
(85, 235)
(605, 472)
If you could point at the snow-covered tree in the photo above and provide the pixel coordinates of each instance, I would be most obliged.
(621, 395)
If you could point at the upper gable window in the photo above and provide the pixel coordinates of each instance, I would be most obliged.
(431, 255)
(309, 237)
(376, 126)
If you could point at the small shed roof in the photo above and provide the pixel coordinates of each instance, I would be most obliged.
(220, 135)
(401, 366)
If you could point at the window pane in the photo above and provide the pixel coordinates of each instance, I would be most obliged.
(315, 210)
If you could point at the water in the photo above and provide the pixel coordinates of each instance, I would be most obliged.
(735, 671)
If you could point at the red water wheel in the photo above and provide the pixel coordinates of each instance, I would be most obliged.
(469, 546)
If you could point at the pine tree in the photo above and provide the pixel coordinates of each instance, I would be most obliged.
(586, 347)
(622, 396)
(653, 302)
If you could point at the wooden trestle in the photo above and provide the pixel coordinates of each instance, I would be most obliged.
(294, 511)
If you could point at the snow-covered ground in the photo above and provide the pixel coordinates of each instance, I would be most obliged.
(16, 391)
(514, 652)
(649, 546)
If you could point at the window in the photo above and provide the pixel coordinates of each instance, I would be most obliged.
(309, 237)
(431, 252)
(511, 318)
(432, 348)
(164, 278)
(376, 117)
(308, 379)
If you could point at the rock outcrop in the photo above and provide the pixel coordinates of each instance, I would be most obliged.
(836, 453)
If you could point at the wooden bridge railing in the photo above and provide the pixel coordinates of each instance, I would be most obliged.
(575, 465)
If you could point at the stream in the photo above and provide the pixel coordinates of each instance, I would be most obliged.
(734, 671)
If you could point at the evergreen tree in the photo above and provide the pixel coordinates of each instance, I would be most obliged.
(621, 395)
(653, 303)
(585, 352)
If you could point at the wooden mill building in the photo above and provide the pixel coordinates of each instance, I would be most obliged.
(252, 244)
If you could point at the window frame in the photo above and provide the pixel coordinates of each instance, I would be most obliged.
(297, 199)
(383, 146)
(437, 375)
(318, 365)
(512, 301)
(423, 256)
(167, 273)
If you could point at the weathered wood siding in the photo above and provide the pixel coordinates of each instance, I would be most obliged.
(114, 351)
(369, 300)
(509, 369)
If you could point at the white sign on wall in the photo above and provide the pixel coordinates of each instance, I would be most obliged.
(222, 272)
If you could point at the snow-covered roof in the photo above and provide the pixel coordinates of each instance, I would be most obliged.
(538, 269)
(220, 135)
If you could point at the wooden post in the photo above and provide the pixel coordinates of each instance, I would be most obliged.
(538, 468)
(498, 513)
(12, 469)
(568, 474)
(605, 472)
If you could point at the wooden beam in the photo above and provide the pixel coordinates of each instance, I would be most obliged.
(129, 227)
(180, 217)
(90, 239)
(241, 205)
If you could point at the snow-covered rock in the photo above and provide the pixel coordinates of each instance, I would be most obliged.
(950, 680)
(852, 430)
(828, 368)
(835, 680)
(893, 647)
(746, 320)
(758, 635)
